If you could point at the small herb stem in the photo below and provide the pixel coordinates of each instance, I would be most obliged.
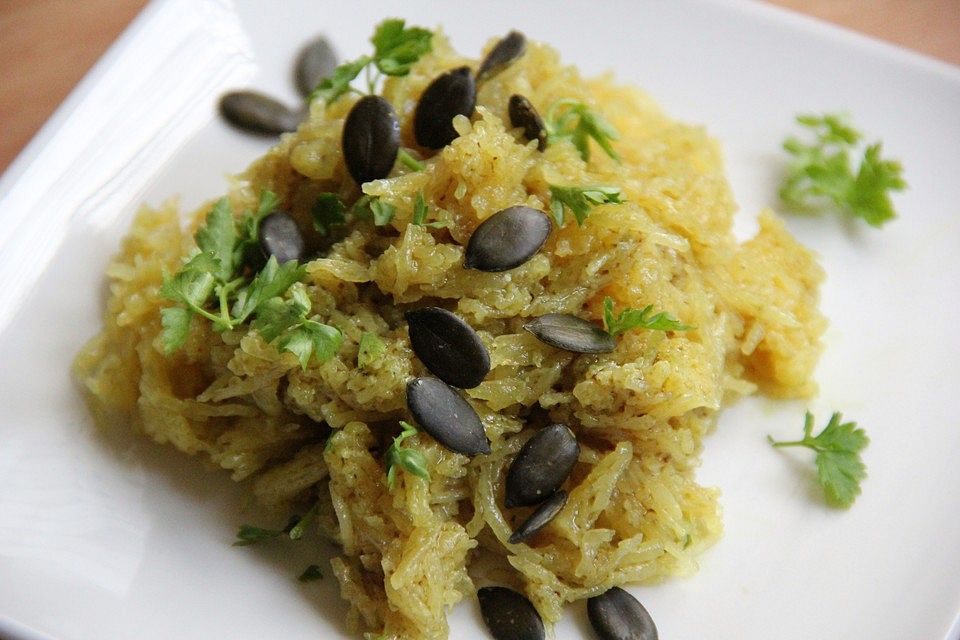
(409, 161)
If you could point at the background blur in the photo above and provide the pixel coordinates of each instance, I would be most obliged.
(46, 46)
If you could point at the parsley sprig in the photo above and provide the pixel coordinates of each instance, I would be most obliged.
(295, 528)
(396, 48)
(370, 350)
(572, 120)
(410, 460)
(631, 318)
(580, 200)
(420, 211)
(821, 172)
(839, 466)
(330, 211)
(213, 278)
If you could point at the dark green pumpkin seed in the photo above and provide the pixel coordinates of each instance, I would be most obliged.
(617, 615)
(448, 347)
(371, 139)
(510, 48)
(541, 466)
(540, 517)
(280, 237)
(450, 94)
(317, 60)
(509, 615)
(522, 114)
(445, 415)
(256, 113)
(570, 333)
(507, 239)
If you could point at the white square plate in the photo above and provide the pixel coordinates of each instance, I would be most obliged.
(113, 537)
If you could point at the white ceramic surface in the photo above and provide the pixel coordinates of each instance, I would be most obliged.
(109, 537)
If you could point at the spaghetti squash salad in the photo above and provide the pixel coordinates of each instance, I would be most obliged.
(312, 430)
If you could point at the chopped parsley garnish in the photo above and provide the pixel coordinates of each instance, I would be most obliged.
(371, 349)
(248, 534)
(821, 172)
(295, 528)
(420, 211)
(311, 574)
(572, 120)
(631, 318)
(409, 161)
(839, 466)
(396, 49)
(580, 200)
(410, 460)
(214, 278)
(328, 212)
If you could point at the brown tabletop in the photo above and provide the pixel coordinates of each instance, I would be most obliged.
(46, 46)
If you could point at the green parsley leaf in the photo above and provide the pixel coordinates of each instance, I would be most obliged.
(218, 238)
(372, 207)
(312, 340)
(420, 211)
(372, 348)
(409, 161)
(839, 466)
(821, 172)
(249, 534)
(580, 200)
(193, 284)
(310, 574)
(300, 526)
(397, 48)
(269, 202)
(176, 327)
(631, 318)
(338, 84)
(328, 212)
(572, 120)
(277, 315)
(273, 280)
(410, 460)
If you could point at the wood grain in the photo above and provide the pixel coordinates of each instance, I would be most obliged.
(46, 46)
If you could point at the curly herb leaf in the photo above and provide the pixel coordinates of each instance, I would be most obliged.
(396, 49)
(631, 318)
(311, 340)
(371, 349)
(580, 200)
(310, 574)
(821, 172)
(572, 120)
(420, 211)
(840, 469)
(328, 212)
(410, 460)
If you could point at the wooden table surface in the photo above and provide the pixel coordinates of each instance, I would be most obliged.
(46, 46)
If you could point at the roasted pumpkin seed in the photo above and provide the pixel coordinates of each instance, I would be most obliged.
(280, 237)
(540, 517)
(522, 114)
(450, 94)
(507, 239)
(617, 615)
(444, 414)
(509, 615)
(570, 333)
(371, 139)
(541, 466)
(448, 347)
(256, 113)
(317, 60)
(511, 46)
